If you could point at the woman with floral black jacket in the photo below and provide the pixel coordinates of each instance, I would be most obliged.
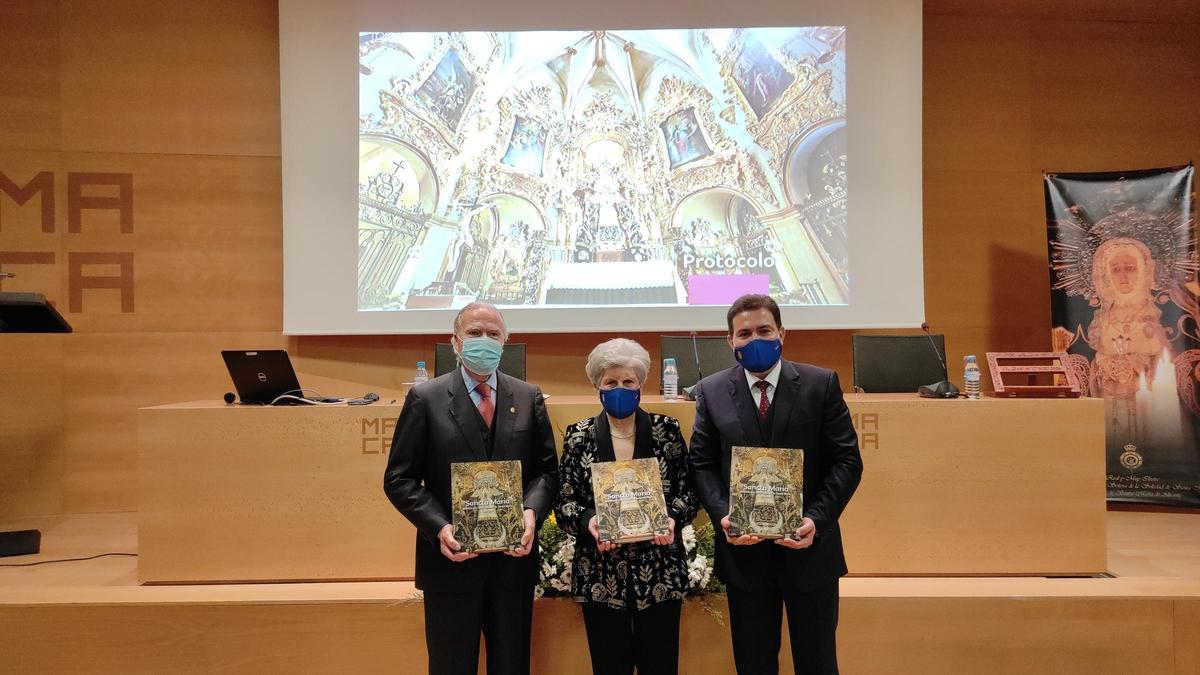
(631, 594)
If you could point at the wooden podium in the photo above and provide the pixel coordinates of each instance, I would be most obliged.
(988, 487)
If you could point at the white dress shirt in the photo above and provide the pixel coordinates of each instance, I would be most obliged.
(471, 383)
(772, 380)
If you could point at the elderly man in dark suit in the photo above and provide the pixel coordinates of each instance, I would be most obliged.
(473, 413)
(769, 402)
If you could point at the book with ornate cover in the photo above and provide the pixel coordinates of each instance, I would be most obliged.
(766, 492)
(629, 500)
(488, 514)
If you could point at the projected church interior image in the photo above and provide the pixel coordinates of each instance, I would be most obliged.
(664, 167)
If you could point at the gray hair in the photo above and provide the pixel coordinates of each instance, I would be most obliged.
(618, 353)
(479, 304)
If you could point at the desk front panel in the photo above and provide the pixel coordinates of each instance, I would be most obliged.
(987, 487)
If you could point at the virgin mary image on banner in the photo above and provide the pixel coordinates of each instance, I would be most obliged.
(1124, 300)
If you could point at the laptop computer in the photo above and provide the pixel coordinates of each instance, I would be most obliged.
(262, 376)
(22, 312)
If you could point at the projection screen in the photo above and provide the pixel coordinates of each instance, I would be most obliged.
(625, 166)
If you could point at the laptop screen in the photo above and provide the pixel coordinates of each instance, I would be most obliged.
(262, 376)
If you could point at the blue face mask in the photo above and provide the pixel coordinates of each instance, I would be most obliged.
(481, 355)
(759, 355)
(620, 402)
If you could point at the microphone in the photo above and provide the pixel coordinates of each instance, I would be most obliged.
(942, 389)
(687, 391)
(367, 399)
(230, 397)
(925, 329)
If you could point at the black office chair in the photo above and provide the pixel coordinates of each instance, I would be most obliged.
(897, 363)
(711, 352)
(512, 362)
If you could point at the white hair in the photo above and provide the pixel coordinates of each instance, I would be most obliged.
(618, 353)
(479, 304)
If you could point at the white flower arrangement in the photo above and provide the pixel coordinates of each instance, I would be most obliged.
(558, 551)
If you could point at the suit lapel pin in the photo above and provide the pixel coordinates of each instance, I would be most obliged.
(512, 409)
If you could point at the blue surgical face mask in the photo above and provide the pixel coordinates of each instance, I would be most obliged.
(620, 402)
(481, 355)
(759, 355)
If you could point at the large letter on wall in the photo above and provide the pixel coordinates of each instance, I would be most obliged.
(77, 202)
(77, 282)
(43, 182)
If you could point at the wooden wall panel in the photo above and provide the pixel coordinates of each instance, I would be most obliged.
(1149, 11)
(984, 129)
(982, 197)
(986, 270)
(31, 388)
(170, 77)
(1187, 627)
(31, 417)
(29, 76)
(197, 638)
(990, 635)
(1112, 96)
(1065, 636)
(26, 248)
(107, 377)
(385, 361)
(137, 85)
(207, 244)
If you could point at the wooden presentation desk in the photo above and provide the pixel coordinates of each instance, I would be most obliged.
(988, 487)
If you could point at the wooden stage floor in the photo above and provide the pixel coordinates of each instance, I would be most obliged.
(93, 616)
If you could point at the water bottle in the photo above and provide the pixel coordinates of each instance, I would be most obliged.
(670, 380)
(971, 376)
(421, 375)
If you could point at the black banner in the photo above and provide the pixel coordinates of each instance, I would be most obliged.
(1124, 300)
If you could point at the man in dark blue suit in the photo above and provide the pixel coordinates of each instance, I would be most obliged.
(769, 402)
(473, 413)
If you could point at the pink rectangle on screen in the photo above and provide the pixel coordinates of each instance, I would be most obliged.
(722, 289)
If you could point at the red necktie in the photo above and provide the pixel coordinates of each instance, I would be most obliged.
(763, 401)
(487, 407)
